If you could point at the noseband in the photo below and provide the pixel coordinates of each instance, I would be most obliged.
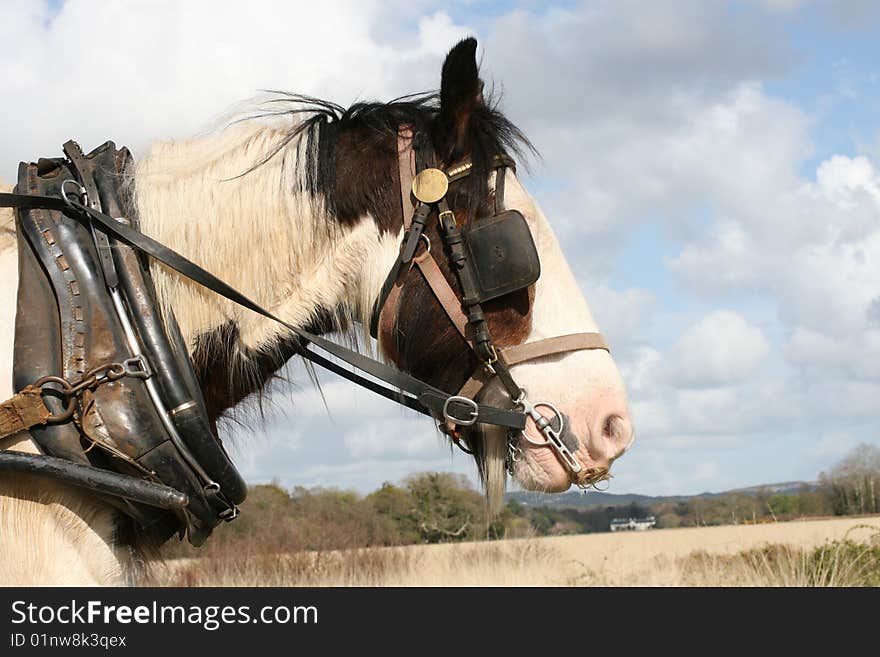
(490, 257)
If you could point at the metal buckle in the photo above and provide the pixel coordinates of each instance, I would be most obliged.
(137, 367)
(450, 213)
(475, 412)
(230, 514)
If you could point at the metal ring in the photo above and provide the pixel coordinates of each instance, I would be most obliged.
(79, 189)
(532, 411)
(475, 412)
(65, 391)
(556, 411)
(424, 254)
(595, 485)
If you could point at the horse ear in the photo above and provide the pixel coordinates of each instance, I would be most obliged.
(461, 93)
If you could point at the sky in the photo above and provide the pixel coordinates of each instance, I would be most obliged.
(712, 170)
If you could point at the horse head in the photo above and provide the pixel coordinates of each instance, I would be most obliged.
(584, 395)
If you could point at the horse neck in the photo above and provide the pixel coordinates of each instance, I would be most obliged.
(259, 229)
(52, 534)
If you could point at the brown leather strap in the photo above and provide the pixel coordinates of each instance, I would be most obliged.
(558, 345)
(406, 162)
(22, 411)
(522, 353)
(473, 385)
(444, 292)
(387, 322)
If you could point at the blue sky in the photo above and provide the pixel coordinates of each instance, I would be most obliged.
(712, 169)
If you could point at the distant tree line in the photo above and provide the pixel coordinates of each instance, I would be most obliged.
(435, 507)
(852, 486)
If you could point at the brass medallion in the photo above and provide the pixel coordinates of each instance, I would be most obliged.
(430, 185)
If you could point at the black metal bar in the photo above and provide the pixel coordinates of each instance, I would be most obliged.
(96, 479)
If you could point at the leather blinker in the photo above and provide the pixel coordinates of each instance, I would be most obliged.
(503, 255)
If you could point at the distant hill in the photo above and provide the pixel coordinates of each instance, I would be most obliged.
(585, 499)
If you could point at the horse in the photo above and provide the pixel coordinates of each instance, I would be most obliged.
(297, 204)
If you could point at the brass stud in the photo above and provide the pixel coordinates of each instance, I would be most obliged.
(430, 185)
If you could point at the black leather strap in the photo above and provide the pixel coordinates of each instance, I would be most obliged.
(420, 396)
(499, 190)
(102, 244)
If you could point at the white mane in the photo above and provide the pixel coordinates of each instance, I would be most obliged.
(192, 195)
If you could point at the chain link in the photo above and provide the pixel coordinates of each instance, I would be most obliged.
(71, 390)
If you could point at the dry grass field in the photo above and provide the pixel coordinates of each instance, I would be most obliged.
(779, 554)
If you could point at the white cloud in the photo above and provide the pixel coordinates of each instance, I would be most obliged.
(841, 176)
(781, 5)
(180, 66)
(720, 349)
(409, 437)
(652, 418)
(623, 316)
(643, 372)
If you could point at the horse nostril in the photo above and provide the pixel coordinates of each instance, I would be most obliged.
(618, 431)
(610, 426)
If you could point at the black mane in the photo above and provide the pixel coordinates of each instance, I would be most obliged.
(323, 123)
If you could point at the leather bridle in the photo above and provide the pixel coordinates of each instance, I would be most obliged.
(463, 311)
